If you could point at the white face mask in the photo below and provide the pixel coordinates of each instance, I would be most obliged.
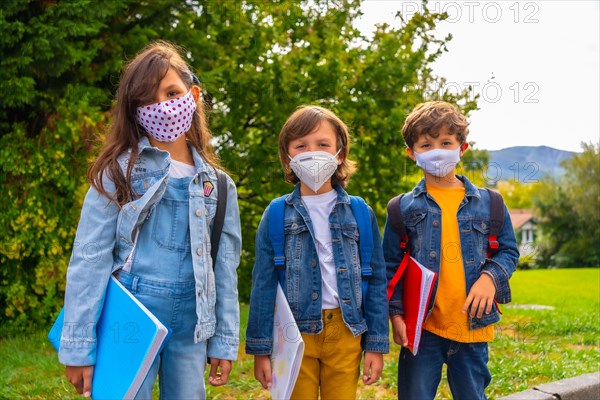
(438, 162)
(168, 120)
(314, 168)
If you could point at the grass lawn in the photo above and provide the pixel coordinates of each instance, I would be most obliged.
(533, 345)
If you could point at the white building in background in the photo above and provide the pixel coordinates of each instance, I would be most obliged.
(524, 225)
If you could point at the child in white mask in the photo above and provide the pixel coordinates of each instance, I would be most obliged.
(322, 267)
(447, 222)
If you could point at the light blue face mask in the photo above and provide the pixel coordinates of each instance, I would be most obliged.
(438, 162)
(314, 168)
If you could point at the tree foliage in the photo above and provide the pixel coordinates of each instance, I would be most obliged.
(570, 217)
(257, 60)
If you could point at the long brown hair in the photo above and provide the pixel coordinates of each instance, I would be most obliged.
(139, 82)
(306, 119)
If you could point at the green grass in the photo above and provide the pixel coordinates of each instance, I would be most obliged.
(532, 346)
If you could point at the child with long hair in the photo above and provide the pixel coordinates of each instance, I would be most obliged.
(150, 212)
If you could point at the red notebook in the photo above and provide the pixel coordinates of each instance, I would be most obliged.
(417, 287)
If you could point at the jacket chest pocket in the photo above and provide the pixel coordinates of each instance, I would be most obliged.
(297, 237)
(480, 234)
(415, 228)
(351, 248)
(350, 244)
(210, 209)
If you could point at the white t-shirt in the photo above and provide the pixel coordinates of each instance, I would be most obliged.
(181, 170)
(319, 207)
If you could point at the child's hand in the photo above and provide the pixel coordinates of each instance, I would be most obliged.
(81, 378)
(262, 370)
(219, 371)
(399, 329)
(481, 296)
(372, 368)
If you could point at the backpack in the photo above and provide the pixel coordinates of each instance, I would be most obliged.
(365, 243)
(496, 221)
(215, 235)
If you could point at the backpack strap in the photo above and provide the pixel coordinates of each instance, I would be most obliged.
(217, 229)
(397, 224)
(496, 221)
(396, 221)
(277, 235)
(365, 242)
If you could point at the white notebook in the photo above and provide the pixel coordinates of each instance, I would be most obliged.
(288, 349)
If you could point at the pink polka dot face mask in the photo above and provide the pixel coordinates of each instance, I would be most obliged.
(168, 120)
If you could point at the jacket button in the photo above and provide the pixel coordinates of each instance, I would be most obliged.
(436, 223)
(199, 251)
(313, 263)
(294, 225)
(314, 295)
(483, 225)
(198, 213)
(432, 254)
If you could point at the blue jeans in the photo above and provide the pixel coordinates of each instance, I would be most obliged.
(180, 364)
(468, 374)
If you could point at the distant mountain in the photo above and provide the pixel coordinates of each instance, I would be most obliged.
(526, 164)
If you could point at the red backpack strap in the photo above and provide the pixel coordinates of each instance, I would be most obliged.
(496, 221)
(396, 221)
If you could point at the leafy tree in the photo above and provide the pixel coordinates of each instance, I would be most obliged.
(257, 60)
(570, 220)
(519, 195)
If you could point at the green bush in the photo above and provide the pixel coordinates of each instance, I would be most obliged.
(44, 181)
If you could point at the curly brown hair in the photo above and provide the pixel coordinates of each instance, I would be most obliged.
(427, 119)
(306, 119)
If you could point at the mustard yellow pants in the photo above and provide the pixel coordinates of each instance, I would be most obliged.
(331, 361)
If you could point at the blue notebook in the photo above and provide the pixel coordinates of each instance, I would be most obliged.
(129, 339)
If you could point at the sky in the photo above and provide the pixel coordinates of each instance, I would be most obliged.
(535, 65)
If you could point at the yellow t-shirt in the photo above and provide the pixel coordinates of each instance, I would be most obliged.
(446, 319)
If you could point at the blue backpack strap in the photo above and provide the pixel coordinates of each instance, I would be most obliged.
(277, 235)
(363, 220)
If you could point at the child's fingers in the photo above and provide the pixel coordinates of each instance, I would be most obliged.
(213, 374)
(224, 373)
(88, 372)
(490, 303)
(366, 373)
(262, 370)
(264, 377)
(219, 372)
(465, 307)
(371, 375)
(399, 329)
(215, 377)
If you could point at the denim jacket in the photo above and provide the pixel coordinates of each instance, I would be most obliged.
(105, 238)
(422, 218)
(302, 283)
